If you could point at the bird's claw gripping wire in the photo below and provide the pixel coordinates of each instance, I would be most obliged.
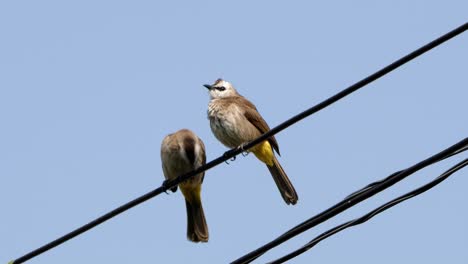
(227, 154)
(243, 151)
(238, 148)
(165, 184)
(231, 151)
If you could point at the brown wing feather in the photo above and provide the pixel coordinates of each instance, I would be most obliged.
(254, 117)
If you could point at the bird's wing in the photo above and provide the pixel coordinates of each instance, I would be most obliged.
(257, 120)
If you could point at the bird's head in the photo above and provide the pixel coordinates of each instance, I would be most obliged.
(221, 89)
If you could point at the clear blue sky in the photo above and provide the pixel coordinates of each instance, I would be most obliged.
(89, 89)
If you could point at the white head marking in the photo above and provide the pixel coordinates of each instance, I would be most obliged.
(222, 89)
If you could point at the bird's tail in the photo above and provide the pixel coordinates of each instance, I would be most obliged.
(197, 229)
(282, 182)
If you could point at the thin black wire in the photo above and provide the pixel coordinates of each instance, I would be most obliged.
(395, 173)
(372, 213)
(359, 84)
(351, 201)
(233, 152)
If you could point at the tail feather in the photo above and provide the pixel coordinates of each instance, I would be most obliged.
(283, 183)
(197, 229)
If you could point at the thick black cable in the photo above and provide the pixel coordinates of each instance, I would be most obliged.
(351, 201)
(372, 213)
(233, 152)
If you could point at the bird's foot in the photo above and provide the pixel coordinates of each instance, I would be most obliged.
(165, 185)
(244, 152)
(228, 153)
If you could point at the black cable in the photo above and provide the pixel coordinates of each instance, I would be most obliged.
(380, 181)
(233, 152)
(351, 201)
(359, 84)
(372, 213)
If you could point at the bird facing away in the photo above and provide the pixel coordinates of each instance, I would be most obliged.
(182, 152)
(234, 121)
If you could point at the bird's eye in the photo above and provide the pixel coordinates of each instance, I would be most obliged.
(221, 88)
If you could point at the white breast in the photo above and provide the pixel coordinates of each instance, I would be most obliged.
(227, 123)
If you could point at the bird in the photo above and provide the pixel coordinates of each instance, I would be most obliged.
(181, 152)
(234, 121)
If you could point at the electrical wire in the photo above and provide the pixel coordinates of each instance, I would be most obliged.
(372, 213)
(351, 201)
(380, 181)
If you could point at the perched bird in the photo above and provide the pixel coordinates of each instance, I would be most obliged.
(182, 152)
(234, 121)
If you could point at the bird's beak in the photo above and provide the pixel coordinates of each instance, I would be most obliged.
(209, 87)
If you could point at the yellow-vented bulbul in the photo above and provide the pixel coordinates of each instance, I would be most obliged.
(182, 152)
(234, 121)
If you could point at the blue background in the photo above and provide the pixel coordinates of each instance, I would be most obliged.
(88, 90)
